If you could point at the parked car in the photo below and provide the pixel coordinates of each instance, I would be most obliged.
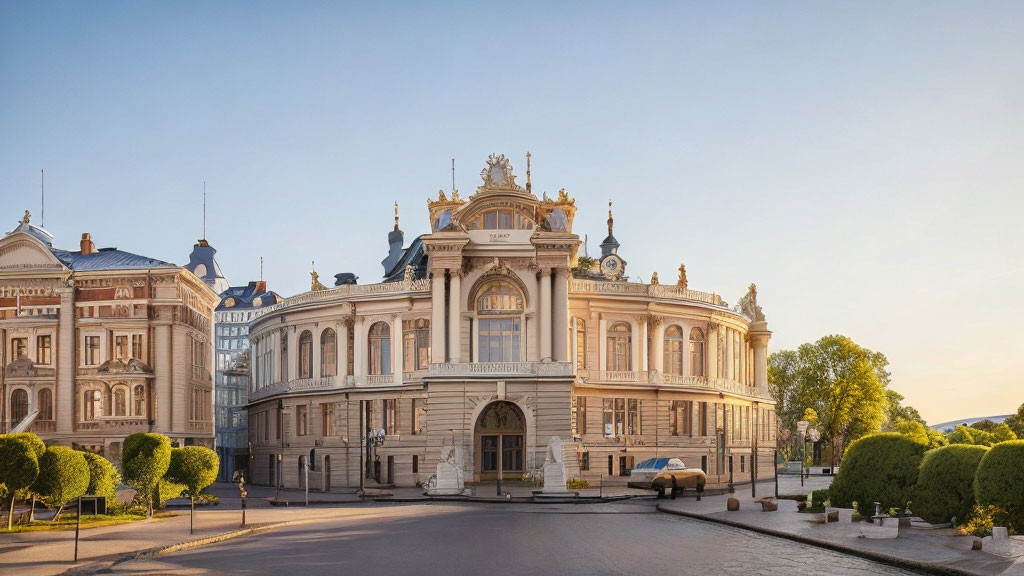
(670, 475)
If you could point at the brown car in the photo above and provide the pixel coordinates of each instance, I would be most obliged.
(676, 477)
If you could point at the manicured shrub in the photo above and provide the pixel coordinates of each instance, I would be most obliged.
(878, 468)
(999, 481)
(33, 441)
(818, 498)
(577, 484)
(945, 483)
(63, 476)
(195, 467)
(167, 490)
(103, 477)
(145, 458)
(19, 468)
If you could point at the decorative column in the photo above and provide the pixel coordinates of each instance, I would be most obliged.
(560, 323)
(634, 352)
(437, 340)
(545, 315)
(644, 353)
(602, 344)
(65, 359)
(181, 380)
(314, 370)
(454, 313)
(711, 352)
(162, 370)
(398, 346)
(343, 328)
(358, 356)
(759, 337)
(729, 351)
(659, 346)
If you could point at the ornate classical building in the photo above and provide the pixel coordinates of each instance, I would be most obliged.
(101, 343)
(490, 334)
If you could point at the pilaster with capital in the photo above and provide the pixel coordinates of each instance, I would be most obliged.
(454, 317)
(437, 340)
(759, 337)
(560, 319)
(545, 314)
(398, 347)
(65, 388)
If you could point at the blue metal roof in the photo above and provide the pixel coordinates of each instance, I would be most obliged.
(107, 259)
(242, 297)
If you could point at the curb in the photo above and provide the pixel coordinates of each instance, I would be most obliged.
(97, 567)
(924, 567)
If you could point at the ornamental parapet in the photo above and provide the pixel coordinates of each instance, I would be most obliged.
(297, 385)
(500, 369)
(654, 378)
(649, 290)
(345, 291)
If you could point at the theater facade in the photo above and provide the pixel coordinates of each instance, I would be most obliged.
(493, 333)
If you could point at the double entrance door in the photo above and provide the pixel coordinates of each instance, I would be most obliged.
(501, 453)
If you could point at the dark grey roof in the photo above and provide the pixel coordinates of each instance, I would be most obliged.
(243, 296)
(107, 259)
(414, 255)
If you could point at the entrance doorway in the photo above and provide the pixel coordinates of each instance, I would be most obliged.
(500, 439)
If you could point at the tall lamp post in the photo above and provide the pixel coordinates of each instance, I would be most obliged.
(801, 428)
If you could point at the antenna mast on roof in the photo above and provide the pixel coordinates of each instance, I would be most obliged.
(586, 252)
(204, 209)
(261, 268)
(42, 197)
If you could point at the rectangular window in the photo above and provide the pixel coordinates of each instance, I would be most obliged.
(634, 418)
(137, 346)
(326, 420)
(620, 416)
(499, 339)
(743, 462)
(415, 464)
(120, 347)
(19, 348)
(679, 418)
(300, 421)
(419, 415)
(391, 417)
(92, 350)
(609, 417)
(585, 462)
(44, 349)
(581, 415)
(702, 418)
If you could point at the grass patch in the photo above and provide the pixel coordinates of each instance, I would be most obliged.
(68, 521)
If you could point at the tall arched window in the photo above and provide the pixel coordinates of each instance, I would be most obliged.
(416, 345)
(19, 405)
(499, 309)
(328, 353)
(120, 402)
(578, 332)
(139, 399)
(674, 350)
(380, 348)
(45, 405)
(619, 344)
(696, 352)
(306, 354)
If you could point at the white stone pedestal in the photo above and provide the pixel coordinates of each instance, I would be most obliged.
(450, 479)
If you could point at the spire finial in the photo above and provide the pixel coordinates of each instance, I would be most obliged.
(611, 220)
(528, 185)
(396, 214)
(204, 209)
(42, 196)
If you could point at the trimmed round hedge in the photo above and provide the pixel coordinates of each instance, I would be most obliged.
(945, 483)
(63, 475)
(103, 477)
(877, 468)
(999, 481)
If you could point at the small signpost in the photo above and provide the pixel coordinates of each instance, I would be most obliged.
(243, 494)
(78, 526)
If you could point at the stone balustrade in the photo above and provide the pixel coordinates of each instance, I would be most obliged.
(325, 383)
(501, 369)
(345, 291)
(651, 290)
(672, 380)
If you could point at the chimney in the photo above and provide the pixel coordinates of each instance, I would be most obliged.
(261, 287)
(87, 246)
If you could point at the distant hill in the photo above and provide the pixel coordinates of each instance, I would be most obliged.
(948, 426)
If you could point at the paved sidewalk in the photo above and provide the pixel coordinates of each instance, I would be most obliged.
(936, 551)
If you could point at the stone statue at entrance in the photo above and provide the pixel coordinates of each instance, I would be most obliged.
(450, 478)
(554, 466)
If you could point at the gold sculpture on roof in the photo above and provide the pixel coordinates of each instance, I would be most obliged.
(28, 216)
(315, 285)
(654, 279)
(682, 276)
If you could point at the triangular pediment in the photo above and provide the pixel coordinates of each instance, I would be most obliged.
(22, 251)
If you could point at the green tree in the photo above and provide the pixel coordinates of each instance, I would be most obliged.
(1016, 422)
(845, 385)
(1002, 433)
(63, 476)
(999, 481)
(960, 435)
(145, 458)
(103, 477)
(196, 468)
(895, 411)
(878, 468)
(945, 483)
(39, 447)
(19, 468)
(986, 425)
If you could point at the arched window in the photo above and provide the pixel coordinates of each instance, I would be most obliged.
(328, 353)
(45, 405)
(120, 406)
(619, 344)
(139, 399)
(696, 352)
(674, 350)
(380, 348)
(416, 344)
(90, 404)
(19, 405)
(578, 337)
(306, 354)
(499, 308)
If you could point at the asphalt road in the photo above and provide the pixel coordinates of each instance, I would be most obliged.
(454, 539)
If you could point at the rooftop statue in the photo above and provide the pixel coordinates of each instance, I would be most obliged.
(315, 285)
(654, 279)
(682, 277)
(28, 216)
(748, 304)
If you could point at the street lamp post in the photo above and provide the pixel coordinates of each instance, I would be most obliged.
(243, 494)
(801, 428)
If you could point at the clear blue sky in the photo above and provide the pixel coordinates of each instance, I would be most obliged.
(861, 162)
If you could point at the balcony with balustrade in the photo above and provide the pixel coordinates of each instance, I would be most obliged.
(671, 381)
(297, 385)
(500, 370)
